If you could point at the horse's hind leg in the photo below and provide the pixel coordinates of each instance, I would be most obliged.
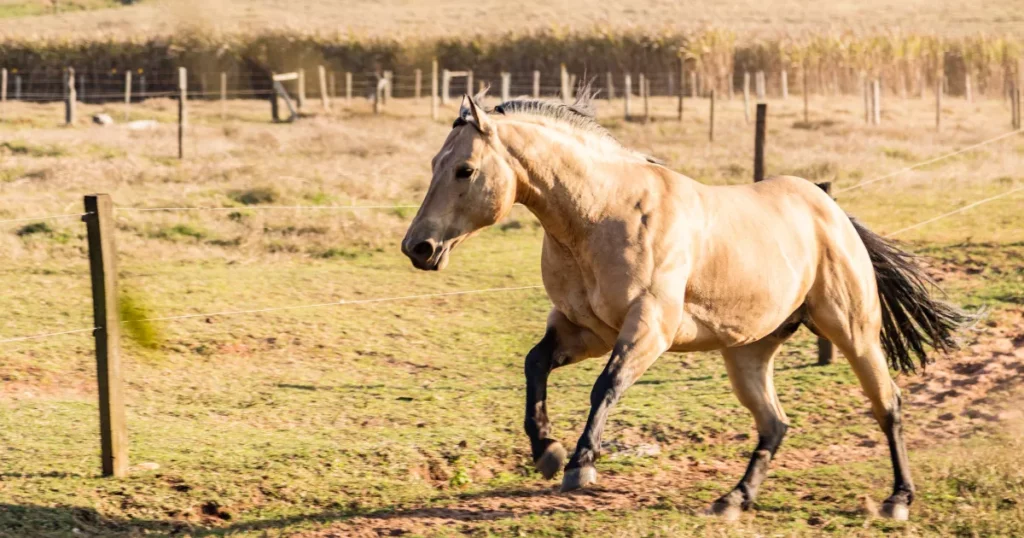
(563, 344)
(750, 370)
(858, 337)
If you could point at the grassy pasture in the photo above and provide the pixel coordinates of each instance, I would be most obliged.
(404, 418)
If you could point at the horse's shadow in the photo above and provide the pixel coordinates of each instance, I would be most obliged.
(47, 521)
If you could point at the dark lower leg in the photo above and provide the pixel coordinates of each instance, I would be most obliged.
(745, 492)
(539, 363)
(607, 390)
(903, 486)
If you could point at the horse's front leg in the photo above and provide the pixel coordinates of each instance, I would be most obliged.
(563, 344)
(644, 337)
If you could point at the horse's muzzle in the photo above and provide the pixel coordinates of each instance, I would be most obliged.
(426, 254)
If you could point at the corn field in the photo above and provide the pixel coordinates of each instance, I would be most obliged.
(906, 64)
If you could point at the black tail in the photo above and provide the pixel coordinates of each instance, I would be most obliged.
(911, 318)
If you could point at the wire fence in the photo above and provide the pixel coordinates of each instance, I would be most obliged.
(203, 83)
(942, 157)
(462, 292)
(45, 217)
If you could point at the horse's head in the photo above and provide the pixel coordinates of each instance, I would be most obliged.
(473, 187)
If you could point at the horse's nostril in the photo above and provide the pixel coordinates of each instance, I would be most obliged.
(423, 250)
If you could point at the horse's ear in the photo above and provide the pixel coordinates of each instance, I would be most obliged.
(475, 114)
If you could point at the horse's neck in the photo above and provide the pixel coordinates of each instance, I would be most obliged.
(560, 180)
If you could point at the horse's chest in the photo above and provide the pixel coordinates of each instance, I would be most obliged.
(585, 296)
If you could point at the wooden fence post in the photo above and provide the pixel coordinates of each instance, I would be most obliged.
(81, 87)
(1014, 107)
(609, 84)
(804, 91)
(275, 112)
(785, 84)
(70, 97)
(759, 131)
(3, 92)
(182, 120)
(469, 82)
(417, 84)
(1018, 107)
(876, 101)
(682, 80)
(389, 77)
(506, 86)
(746, 96)
(433, 89)
(564, 87)
(759, 83)
(643, 97)
(223, 96)
(348, 87)
(325, 99)
(380, 94)
(99, 224)
(301, 97)
(536, 84)
(127, 93)
(711, 117)
(331, 84)
(17, 87)
(446, 81)
(627, 89)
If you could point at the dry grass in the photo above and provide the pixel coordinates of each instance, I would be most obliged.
(395, 18)
(299, 421)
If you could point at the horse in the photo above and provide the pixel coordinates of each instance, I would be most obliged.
(639, 260)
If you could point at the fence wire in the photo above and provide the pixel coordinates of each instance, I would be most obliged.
(45, 335)
(929, 161)
(955, 211)
(46, 217)
(266, 208)
(342, 302)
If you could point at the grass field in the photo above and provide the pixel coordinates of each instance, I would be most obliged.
(402, 18)
(404, 418)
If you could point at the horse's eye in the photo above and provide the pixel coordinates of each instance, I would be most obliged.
(464, 172)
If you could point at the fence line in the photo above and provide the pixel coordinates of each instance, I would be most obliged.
(341, 302)
(345, 302)
(48, 217)
(955, 211)
(44, 335)
(929, 161)
(265, 207)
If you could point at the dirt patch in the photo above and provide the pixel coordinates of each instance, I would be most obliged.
(955, 397)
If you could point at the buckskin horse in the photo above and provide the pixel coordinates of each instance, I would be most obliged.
(639, 260)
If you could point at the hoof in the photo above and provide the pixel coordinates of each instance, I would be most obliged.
(728, 507)
(578, 478)
(551, 461)
(897, 511)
